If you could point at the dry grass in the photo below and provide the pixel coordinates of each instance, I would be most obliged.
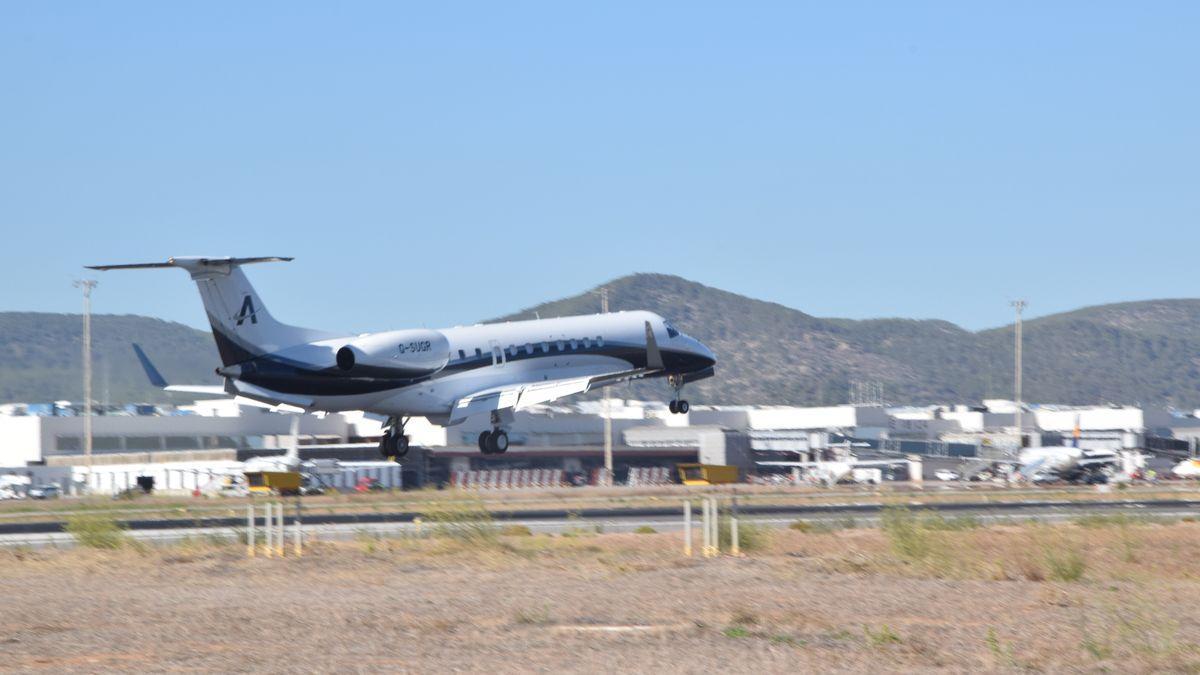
(963, 598)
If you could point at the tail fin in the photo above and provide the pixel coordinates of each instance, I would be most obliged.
(241, 324)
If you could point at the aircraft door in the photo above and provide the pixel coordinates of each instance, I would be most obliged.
(497, 354)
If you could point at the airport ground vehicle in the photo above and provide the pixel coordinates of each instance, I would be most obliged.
(707, 474)
(45, 492)
(273, 482)
(947, 475)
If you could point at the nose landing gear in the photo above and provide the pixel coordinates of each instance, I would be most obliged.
(677, 406)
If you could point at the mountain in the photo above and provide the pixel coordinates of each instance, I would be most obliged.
(1135, 352)
(41, 357)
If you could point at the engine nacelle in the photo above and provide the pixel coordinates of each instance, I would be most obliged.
(395, 354)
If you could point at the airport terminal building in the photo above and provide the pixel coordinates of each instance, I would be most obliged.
(570, 438)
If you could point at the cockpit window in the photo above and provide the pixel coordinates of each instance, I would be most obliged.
(671, 332)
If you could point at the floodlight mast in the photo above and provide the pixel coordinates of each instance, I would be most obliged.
(87, 285)
(1020, 306)
(608, 455)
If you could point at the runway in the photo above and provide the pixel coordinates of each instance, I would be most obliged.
(608, 520)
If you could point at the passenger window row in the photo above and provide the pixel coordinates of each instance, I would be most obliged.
(531, 348)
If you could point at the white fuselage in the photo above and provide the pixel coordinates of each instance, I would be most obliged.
(486, 356)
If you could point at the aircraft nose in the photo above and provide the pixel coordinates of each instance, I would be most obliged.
(702, 353)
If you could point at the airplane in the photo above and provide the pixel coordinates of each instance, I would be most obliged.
(445, 375)
(1067, 462)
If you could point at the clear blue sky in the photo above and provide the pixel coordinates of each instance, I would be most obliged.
(439, 163)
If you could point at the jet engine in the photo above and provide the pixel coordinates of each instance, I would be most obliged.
(395, 354)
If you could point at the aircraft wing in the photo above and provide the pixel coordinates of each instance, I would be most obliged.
(519, 396)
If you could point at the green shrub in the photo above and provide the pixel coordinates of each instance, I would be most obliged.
(1065, 564)
(937, 522)
(96, 531)
(516, 531)
(645, 529)
(905, 534)
(801, 526)
(884, 636)
(751, 537)
(466, 521)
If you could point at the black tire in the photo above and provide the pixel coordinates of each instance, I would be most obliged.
(485, 442)
(401, 444)
(672, 407)
(683, 407)
(384, 444)
(498, 442)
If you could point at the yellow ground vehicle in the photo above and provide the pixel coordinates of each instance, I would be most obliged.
(273, 482)
(707, 474)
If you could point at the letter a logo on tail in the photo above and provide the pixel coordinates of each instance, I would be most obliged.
(247, 311)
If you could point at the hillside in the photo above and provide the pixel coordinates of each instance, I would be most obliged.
(41, 357)
(1130, 352)
(1133, 352)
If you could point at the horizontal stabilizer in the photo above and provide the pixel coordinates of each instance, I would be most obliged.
(191, 263)
(159, 381)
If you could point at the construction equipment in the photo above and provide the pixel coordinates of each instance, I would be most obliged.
(274, 482)
(707, 474)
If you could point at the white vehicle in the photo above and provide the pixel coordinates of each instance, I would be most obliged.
(834, 472)
(1188, 468)
(13, 486)
(445, 375)
(946, 475)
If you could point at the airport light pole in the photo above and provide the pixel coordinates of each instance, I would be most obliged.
(608, 456)
(1019, 305)
(87, 285)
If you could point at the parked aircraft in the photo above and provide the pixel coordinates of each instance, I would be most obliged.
(1063, 462)
(445, 375)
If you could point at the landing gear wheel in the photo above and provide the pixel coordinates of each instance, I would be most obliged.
(498, 442)
(682, 407)
(673, 407)
(393, 446)
(485, 442)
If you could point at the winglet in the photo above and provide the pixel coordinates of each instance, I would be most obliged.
(152, 373)
(654, 360)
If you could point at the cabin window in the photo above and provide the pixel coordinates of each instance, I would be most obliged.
(562, 346)
(587, 343)
(478, 353)
(529, 349)
(462, 355)
(574, 345)
(599, 341)
(671, 332)
(512, 350)
(545, 347)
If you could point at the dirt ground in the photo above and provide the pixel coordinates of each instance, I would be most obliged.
(920, 595)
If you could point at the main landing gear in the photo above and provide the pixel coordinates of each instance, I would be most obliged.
(393, 445)
(677, 406)
(494, 442)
